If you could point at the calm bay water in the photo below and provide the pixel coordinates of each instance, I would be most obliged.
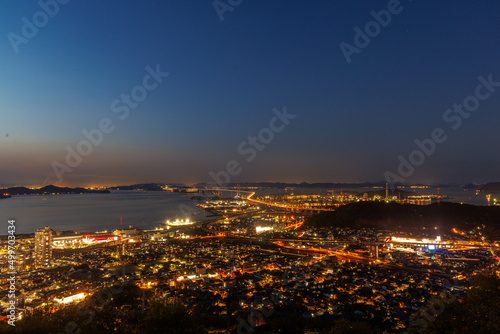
(97, 212)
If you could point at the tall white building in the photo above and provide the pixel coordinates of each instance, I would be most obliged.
(43, 247)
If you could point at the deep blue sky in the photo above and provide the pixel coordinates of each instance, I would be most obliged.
(353, 122)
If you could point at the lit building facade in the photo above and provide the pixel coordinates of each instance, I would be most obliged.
(43, 247)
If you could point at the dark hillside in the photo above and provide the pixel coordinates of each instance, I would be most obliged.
(408, 217)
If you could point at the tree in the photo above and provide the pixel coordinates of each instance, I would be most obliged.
(343, 326)
(478, 312)
(168, 316)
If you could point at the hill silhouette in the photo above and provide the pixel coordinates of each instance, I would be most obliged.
(50, 189)
(407, 217)
(493, 187)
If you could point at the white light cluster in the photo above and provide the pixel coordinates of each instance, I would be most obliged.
(260, 229)
(179, 222)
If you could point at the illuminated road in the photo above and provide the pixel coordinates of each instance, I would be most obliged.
(344, 254)
(274, 205)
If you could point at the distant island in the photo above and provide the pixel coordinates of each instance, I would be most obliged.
(470, 186)
(48, 190)
(141, 186)
(493, 187)
(331, 185)
(173, 187)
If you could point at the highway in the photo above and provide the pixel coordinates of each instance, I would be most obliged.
(274, 205)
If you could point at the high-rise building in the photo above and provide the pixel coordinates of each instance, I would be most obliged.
(43, 247)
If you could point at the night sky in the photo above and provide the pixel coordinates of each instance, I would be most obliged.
(353, 120)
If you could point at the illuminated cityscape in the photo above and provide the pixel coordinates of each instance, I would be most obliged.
(263, 253)
(249, 167)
